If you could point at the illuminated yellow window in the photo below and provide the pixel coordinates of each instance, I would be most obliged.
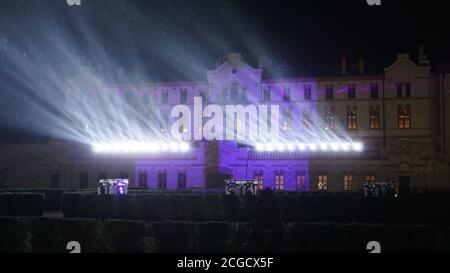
(369, 178)
(322, 182)
(300, 182)
(404, 116)
(374, 117)
(259, 180)
(351, 118)
(279, 182)
(348, 181)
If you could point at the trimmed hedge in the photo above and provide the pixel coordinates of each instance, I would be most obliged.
(294, 237)
(267, 206)
(51, 235)
(21, 204)
(53, 197)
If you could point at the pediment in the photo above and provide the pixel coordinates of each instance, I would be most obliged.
(234, 70)
(405, 69)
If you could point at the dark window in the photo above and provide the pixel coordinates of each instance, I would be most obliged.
(234, 92)
(183, 96)
(266, 95)
(244, 96)
(329, 92)
(286, 94)
(162, 180)
(399, 90)
(224, 94)
(307, 92)
(408, 90)
(374, 90)
(142, 182)
(330, 118)
(165, 97)
(55, 180)
(146, 99)
(203, 96)
(181, 182)
(84, 180)
(307, 120)
(351, 91)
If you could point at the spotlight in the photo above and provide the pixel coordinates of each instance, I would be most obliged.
(301, 146)
(344, 146)
(164, 147)
(174, 147)
(334, 146)
(184, 147)
(139, 147)
(269, 147)
(280, 147)
(136, 147)
(290, 147)
(357, 146)
(154, 148)
(312, 146)
(259, 147)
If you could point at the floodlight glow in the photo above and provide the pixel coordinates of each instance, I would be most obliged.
(301, 146)
(164, 147)
(344, 146)
(334, 146)
(357, 147)
(139, 147)
(184, 147)
(312, 147)
(269, 147)
(259, 147)
(291, 147)
(174, 147)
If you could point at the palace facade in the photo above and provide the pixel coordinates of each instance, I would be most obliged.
(401, 115)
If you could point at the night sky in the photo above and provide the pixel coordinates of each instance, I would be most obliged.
(174, 40)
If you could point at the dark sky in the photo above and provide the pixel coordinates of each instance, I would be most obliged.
(180, 39)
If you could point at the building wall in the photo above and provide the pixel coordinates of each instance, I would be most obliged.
(390, 152)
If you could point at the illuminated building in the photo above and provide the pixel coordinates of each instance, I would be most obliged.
(398, 115)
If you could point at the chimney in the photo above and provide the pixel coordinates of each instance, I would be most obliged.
(360, 65)
(422, 57)
(234, 59)
(343, 66)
